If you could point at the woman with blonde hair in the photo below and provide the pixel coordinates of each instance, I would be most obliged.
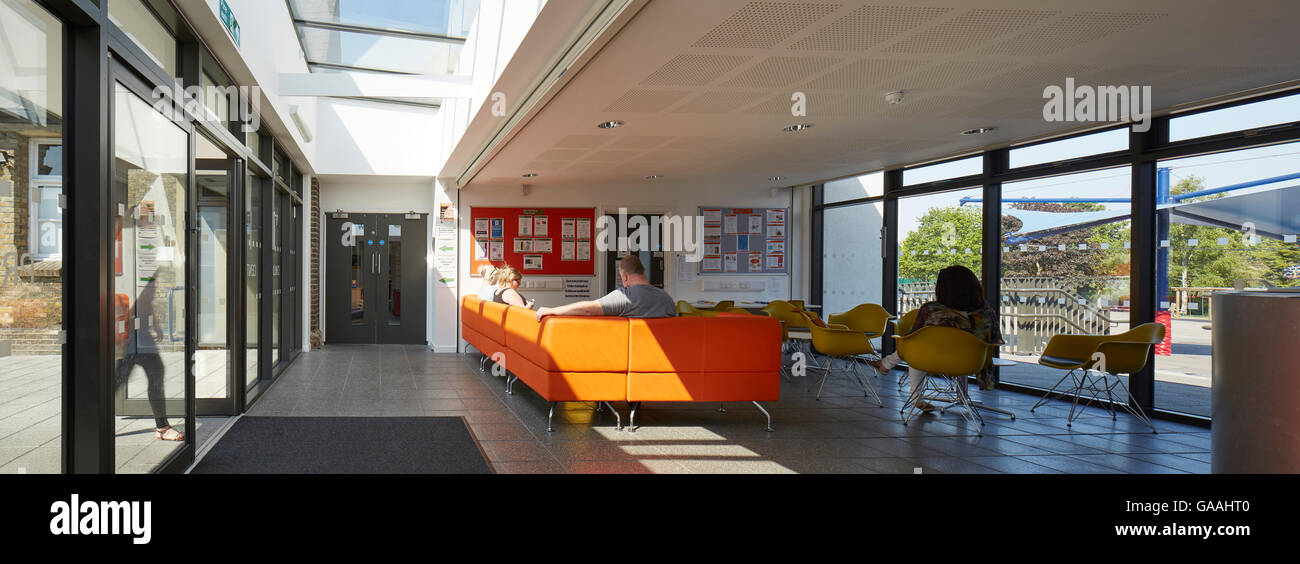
(507, 292)
(489, 275)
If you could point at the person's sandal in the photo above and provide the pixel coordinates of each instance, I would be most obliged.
(162, 434)
(879, 366)
(925, 406)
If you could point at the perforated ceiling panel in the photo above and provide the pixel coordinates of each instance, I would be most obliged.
(781, 104)
(562, 154)
(1030, 80)
(929, 106)
(582, 141)
(638, 142)
(868, 26)
(862, 74)
(695, 143)
(1070, 31)
(779, 72)
(967, 30)
(646, 101)
(948, 75)
(694, 70)
(762, 25)
(717, 102)
(853, 105)
(610, 155)
(546, 165)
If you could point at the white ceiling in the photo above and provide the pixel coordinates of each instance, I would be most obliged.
(705, 87)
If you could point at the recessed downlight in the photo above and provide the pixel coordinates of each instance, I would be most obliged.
(530, 175)
(654, 177)
(777, 178)
(798, 127)
(610, 124)
(979, 130)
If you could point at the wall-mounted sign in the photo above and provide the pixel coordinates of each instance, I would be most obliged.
(228, 20)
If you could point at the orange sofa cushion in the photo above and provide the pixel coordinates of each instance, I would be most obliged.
(705, 344)
(568, 344)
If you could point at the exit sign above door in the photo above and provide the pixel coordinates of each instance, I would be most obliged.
(228, 20)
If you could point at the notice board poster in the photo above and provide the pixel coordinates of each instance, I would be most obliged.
(745, 240)
(523, 238)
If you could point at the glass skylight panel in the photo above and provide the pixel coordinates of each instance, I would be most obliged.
(379, 52)
(439, 17)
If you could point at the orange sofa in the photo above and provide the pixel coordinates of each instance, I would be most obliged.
(604, 359)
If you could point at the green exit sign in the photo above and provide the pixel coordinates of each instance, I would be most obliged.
(228, 20)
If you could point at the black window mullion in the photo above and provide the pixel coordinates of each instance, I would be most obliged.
(889, 262)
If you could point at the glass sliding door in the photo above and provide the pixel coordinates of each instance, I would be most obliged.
(31, 239)
(213, 356)
(277, 263)
(252, 279)
(150, 186)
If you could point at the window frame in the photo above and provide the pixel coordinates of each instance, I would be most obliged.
(36, 182)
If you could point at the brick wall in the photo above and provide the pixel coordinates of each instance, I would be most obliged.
(315, 262)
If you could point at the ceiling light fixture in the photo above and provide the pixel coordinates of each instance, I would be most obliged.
(979, 130)
(610, 124)
(798, 127)
(654, 177)
(777, 178)
(530, 175)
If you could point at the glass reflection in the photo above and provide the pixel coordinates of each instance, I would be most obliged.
(149, 180)
(31, 239)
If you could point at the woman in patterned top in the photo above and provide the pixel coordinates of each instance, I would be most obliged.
(959, 302)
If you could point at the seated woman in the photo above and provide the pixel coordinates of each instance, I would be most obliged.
(507, 292)
(959, 302)
(489, 288)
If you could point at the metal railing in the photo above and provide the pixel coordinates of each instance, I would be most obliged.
(1031, 311)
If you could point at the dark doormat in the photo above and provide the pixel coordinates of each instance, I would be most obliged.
(346, 445)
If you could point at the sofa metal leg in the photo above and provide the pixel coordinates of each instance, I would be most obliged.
(631, 419)
(550, 416)
(769, 415)
(722, 407)
(510, 384)
(618, 419)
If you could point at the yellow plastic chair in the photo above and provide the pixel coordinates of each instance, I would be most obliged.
(902, 326)
(951, 356)
(1093, 364)
(685, 309)
(870, 319)
(837, 342)
(735, 310)
(724, 305)
(797, 303)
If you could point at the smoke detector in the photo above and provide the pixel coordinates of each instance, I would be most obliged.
(894, 98)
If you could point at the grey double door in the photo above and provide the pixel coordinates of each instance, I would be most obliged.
(375, 278)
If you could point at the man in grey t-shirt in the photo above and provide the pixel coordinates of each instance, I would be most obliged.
(637, 298)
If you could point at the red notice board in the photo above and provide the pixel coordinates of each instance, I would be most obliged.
(536, 241)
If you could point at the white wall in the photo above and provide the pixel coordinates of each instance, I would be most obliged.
(363, 137)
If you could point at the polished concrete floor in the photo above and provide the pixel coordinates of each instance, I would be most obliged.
(844, 432)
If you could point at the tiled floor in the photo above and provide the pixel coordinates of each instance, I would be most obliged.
(842, 433)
